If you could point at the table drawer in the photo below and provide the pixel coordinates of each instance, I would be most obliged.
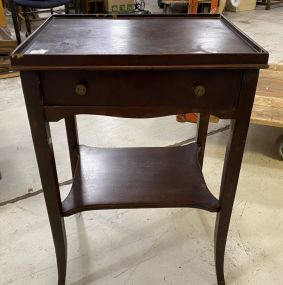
(205, 89)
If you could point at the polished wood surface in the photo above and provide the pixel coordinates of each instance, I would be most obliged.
(137, 37)
(119, 88)
(137, 41)
(138, 77)
(42, 141)
(107, 92)
(231, 169)
(73, 140)
(123, 178)
(202, 127)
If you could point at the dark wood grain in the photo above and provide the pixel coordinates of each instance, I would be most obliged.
(138, 67)
(138, 41)
(232, 166)
(56, 113)
(73, 141)
(47, 169)
(138, 178)
(143, 88)
(137, 37)
(202, 126)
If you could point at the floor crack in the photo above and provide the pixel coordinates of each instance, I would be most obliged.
(31, 194)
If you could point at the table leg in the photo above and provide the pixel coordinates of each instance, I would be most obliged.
(27, 21)
(47, 169)
(203, 121)
(73, 141)
(232, 166)
(268, 3)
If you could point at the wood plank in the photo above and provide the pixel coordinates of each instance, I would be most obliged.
(268, 111)
(9, 75)
(278, 67)
(268, 104)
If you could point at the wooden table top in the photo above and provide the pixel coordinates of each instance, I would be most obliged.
(138, 41)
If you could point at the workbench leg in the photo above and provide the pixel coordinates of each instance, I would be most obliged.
(232, 166)
(268, 3)
(27, 21)
(67, 9)
(15, 20)
(202, 126)
(73, 141)
(47, 169)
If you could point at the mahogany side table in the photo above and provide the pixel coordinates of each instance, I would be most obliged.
(75, 64)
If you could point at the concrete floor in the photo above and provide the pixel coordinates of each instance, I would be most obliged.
(156, 246)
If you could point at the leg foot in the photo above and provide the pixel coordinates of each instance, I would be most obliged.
(60, 243)
(220, 238)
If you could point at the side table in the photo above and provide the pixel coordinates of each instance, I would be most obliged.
(76, 64)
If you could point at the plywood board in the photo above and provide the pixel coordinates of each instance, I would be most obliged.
(268, 105)
(9, 75)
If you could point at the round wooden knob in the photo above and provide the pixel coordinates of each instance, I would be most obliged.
(199, 90)
(80, 89)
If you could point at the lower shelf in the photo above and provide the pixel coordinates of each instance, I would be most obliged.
(153, 177)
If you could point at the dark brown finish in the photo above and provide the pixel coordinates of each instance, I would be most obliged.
(232, 166)
(141, 42)
(100, 85)
(123, 178)
(174, 66)
(147, 37)
(47, 169)
(73, 141)
(55, 113)
(202, 126)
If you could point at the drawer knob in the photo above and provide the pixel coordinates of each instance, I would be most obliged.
(199, 90)
(80, 89)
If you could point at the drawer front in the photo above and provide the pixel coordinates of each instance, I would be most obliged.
(205, 89)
